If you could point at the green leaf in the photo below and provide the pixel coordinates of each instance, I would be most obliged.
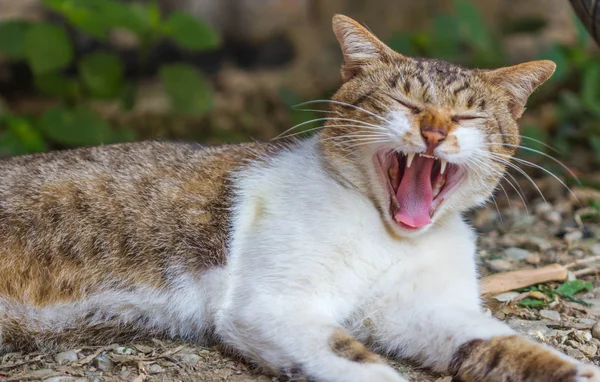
(590, 86)
(84, 15)
(445, 42)
(97, 17)
(403, 43)
(187, 89)
(29, 138)
(595, 143)
(101, 74)
(74, 127)
(57, 85)
(570, 288)
(595, 204)
(12, 38)
(189, 32)
(47, 48)
(582, 33)
(529, 302)
(10, 144)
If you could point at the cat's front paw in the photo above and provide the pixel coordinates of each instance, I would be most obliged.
(587, 373)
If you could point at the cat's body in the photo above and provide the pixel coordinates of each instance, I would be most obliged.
(297, 255)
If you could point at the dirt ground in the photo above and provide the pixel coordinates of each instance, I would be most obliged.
(560, 230)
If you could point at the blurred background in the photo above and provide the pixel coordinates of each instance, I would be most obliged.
(89, 72)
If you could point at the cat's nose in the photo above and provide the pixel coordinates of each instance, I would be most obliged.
(433, 137)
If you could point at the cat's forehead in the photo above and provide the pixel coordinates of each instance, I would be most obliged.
(437, 82)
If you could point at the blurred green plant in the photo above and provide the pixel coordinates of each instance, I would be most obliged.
(461, 36)
(47, 50)
(577, 103)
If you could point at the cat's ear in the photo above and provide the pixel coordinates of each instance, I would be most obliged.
(359, 46)
(520, 81)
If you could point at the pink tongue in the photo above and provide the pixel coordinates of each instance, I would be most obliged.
(415, 194)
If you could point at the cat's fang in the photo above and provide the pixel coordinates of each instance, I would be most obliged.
(409, 159)
(439, 184)
(443, 167)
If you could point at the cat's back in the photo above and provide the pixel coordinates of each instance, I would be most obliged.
(119, 214)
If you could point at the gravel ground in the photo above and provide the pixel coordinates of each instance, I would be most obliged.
(511, 237)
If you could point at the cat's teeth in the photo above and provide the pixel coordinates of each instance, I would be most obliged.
(437, 187)
(409, 159)
(444, 163)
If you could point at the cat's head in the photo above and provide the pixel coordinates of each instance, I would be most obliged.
(422, 137)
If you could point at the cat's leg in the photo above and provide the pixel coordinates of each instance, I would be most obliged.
(283, 339)
(468, 345)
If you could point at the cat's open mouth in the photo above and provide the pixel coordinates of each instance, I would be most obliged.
(417, 184)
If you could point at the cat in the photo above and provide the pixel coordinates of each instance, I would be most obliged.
(313, 255)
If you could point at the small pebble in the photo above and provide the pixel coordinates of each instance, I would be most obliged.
(581, 336)
(537, 243)
(155, 369)
(506, 296)
(553, 217)
(595, 249)
(550, 314)
(575, 353)
(533, 258)
(543, 208)
(596, 330)
(126, 350)
(573, 236)
(189, 359)
(65, 379)
(66, 357)
(103, 363)
(499, 265)
(144, 348)
(516, 254)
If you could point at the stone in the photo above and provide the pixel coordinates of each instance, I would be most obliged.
(537, 243)
(596, 330)
(543, 208)
(532, 329)
(550, 314)
(533, 259)
(125, 350)
(573, 236)
(517, 254)
(144, 348)
(575, 353)
(553, 217)
(506, 296)
(66, 357)
(499, 265)
(103, 363)
(189, 360)
(581, 336)
(155, 369)
(65, 379)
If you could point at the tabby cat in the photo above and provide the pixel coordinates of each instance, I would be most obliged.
(312, 255)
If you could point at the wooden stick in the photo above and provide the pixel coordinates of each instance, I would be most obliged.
(505, 281)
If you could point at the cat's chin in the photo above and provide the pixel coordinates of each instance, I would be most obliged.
(417, 185)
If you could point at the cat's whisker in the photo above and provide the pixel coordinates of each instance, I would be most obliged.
(531, 164)
(515, 167)
(545, 155)
(321, 127)
(498, 210)
(344, 104)
(529, 139)
(517, 191)
(362, 124)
